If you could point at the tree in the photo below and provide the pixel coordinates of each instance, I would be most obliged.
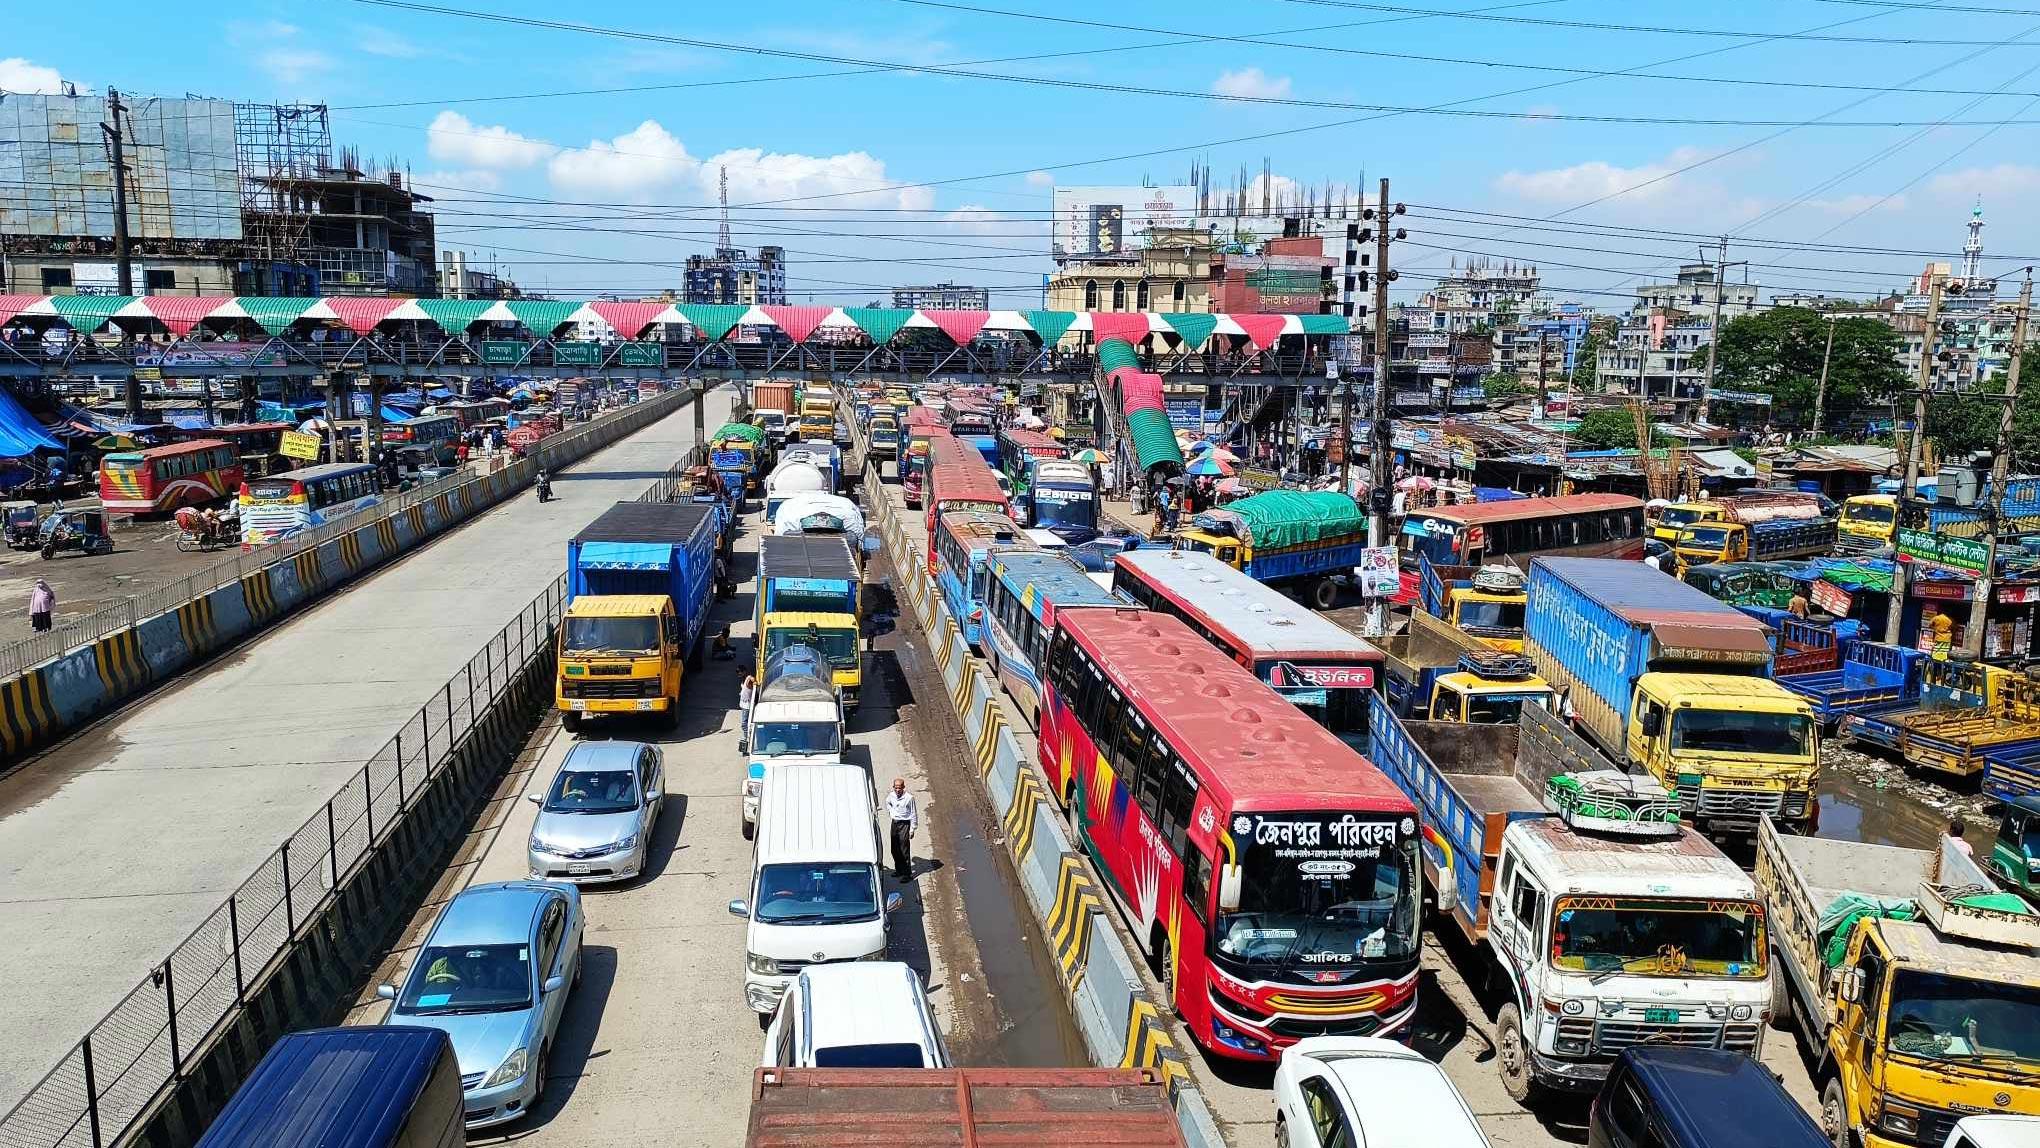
(1606, 428)
(1778, 353)
(1959, 425)
(1504, 386)
(1586, 361)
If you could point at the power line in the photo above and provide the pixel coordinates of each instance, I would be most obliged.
(1673, 30)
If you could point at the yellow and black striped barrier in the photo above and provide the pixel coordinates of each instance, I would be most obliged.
(118, 656)
(1020, 814)
(1069, 920)
(195, 624)
(1149, 1045)
(26, 717)
(987, 747)
(309, 575)
(260, 596)
(350, 551)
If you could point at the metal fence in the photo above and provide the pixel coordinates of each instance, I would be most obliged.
(77, 632)
(111, 1076)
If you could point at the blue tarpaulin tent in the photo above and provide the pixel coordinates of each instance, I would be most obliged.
(20, 433)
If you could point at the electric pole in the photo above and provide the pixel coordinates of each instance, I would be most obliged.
(1721, 266)
(1380, 449)
(1543, 391)
(1907, 493)
(2000, 474)
(1820, 392)
(116, 142)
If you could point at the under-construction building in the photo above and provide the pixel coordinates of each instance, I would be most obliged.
(222, 198)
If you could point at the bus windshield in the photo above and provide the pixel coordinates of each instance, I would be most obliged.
(1869, 513)
(1059, 505)
(1940, 1017)
(1662, 937)
(1306, 898)
(1733, 731)
(611, 635)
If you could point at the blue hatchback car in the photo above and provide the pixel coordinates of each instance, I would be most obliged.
(493, 975)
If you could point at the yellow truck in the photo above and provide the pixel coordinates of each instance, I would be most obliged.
(817, 416)
(640, 583)
(1748, 508)
(1869, 521)
(1913, 983)
(810, 593)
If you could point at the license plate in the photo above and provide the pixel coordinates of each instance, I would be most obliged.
(579, 870)
(577, 704)
(1661, 1015)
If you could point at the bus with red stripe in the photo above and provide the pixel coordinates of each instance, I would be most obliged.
(923, 425)
(1268, 871)
(1321, 667)
(162, 478)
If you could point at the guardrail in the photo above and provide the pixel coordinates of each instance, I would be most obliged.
(83, 631)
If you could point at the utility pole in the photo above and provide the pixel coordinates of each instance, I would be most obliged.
(1907, 493)
(1820, 392)
(115, 140)
(1721, 266)
(2000, 474)
(1379, 440)
(1543, 391)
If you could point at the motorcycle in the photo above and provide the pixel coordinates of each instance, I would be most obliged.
(544, 485)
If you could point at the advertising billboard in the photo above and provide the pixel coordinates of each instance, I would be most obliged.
(1115, 220)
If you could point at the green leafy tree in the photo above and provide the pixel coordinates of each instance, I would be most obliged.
(1778, 352)
(1964, 424)
(1606, 428)
(1586, 361)
(1505, 386)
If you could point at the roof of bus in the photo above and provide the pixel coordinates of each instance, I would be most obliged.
(1039, 575)
(1268, 622)
(322, 470)
(982, 526)
(1021, 436)
(430, 417)
(244, 428)
(1264, 753)
(185, 447)
(1482, 513)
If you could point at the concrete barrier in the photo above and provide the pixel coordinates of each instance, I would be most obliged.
(1120, 1022)
(51, 699)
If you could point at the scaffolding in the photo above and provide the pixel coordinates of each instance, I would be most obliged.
(280, 148)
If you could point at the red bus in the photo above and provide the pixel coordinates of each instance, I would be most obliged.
(1268, 871)
(922, 425)
(958, 479)
(258, 445)
(1321, 667)
(163, 478)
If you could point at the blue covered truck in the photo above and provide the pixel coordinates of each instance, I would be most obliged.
(1285, 538)
(640, 583)
(1868, 674)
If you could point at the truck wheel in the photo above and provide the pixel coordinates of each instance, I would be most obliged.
(1834, 1115)
(1781, 1001)
(572, 721)
(750, 827)
(1512, 1056)
(1324, 593)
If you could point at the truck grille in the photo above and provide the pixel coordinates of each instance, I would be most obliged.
(1935, 1126)
(1612, 1036)
(1738, 804)
(630, 688)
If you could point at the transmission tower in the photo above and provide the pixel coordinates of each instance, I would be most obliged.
(722, 235)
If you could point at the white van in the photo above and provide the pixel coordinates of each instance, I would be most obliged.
(866, 1014)
(814, 878)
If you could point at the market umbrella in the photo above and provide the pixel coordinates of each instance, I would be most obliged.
(115, 442)
(1207, 466)
(1202, 444)
(1229, 486)
(1090, 454)
(314, 426)
(1223, 455)
(1416, 482)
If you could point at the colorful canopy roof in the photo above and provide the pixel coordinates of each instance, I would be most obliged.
(542, 317)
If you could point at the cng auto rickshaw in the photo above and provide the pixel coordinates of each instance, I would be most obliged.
(81, 530)
(22, 523)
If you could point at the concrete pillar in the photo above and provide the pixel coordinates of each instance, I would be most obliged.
(700, 412)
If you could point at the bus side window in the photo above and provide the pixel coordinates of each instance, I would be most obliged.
(1197, 881)
(1179, 794)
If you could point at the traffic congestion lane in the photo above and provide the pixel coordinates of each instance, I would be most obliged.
(117, 842)
(658, 1044)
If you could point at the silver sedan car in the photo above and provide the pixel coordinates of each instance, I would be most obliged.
(493, 976)
(595, 820)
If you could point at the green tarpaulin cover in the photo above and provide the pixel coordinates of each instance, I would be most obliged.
(745, 431)
(713, 320)
(1838, 920)
(881, 323)
(1194, 326)
(1050, 325)
(1154, 440)
(454, 316)
(1114, 354)
(1278, 518)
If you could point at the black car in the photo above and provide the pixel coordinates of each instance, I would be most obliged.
(1697, 1098)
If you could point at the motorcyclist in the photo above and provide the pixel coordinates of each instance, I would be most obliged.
(544, 484)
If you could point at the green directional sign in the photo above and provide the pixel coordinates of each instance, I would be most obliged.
(1944, 550)
(642, 355)
(577, 354)
(504, 352)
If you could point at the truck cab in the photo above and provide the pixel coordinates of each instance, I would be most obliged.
(1734, 749)
(883, 436)
(796, 718)
(620, 653)
(1489, 691)
(1677, 516)
(1486, 603)
(1613, 940)
(1712, 541)
(773, 423)
(1868, 522)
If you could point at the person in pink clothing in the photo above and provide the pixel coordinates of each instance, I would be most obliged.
(42, 602)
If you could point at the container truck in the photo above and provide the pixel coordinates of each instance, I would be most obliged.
(1663, 678)
(1612, 924)
(640, 581)
(1285, 538)
(772, 410)
(810, 594)
(796, 717)
(1038, 1107)
(1486, 602)
(1913, 984)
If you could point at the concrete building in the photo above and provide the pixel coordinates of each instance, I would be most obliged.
(731, 275)
(1660, 351)
(1289, 275)
(1480, 296)
(1171, 273)
(943, 297)
(457, 280)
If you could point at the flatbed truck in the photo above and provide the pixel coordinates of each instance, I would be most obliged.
(1484, 602)
(1039, 1107)
(1433, 670)
(1914, 987)
(1285, 538)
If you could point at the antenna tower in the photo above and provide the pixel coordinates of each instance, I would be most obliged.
(722, 234)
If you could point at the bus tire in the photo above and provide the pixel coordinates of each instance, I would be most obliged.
(1162, 962)
(1324, 594)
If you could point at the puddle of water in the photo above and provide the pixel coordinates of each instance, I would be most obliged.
(1852, 809)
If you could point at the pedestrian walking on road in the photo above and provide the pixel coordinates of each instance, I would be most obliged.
(906, 821)
(42, 602)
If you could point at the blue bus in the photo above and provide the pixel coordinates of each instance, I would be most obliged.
(963, 542)
(1062, 497)
(1023, 596)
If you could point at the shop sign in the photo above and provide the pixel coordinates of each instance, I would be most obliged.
(297, 445)
(1943, 550)
(1259, 478)
(2018, 595)
(1831, 598)
(1941, 591)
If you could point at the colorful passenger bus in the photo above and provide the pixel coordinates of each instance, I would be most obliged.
(1062, 497)
(1322, 669)
(1023, 596)
(162, 478)
(1018, 447)
(283, 505)
(1267, 870)
(922, 426)
(259, 446)
(971, 422)
(439, 433)
(963, 542)
(958, 479)
(1515, 531)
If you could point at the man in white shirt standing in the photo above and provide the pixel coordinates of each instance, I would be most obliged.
(906, 821)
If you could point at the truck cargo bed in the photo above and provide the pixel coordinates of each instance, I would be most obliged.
(957, 1108)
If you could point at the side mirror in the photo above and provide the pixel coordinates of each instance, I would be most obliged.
(892, 902)
(1446, 890)
(535, 798)
(739, 909)
(1653, 721)
(386, 991)
(553, 985)
(1229, 878)
(673, 629)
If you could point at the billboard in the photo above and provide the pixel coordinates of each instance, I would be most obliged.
(56, 178)
(1115, 220)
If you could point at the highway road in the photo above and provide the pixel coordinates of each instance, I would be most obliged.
(117, 842)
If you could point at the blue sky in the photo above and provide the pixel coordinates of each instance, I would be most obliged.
(579, 193)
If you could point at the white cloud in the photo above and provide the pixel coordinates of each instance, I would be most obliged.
(641, 160)
(1854, 204)
(1041, 179)
(19, 76)
(453, 138)
(436, 183)
(1252, 84)
(1596, 178)
(1999, 181)
(288, 65)
(383, 42)
(852, 179)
